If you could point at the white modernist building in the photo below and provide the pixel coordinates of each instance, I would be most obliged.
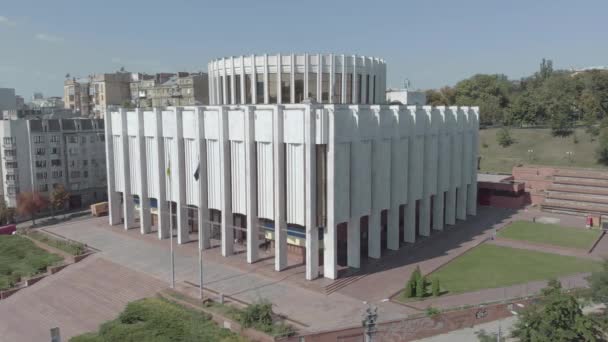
(331, 181)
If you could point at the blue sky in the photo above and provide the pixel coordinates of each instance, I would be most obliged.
(432, 43)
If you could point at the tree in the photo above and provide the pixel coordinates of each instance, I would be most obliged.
(436, 287)
(30, 203)
(59, 198)
(598, 282)
(503, 137)
(7, 215)
(489, 92)
(409, 289)
(558, 318)
(421, 287)
(601, 153)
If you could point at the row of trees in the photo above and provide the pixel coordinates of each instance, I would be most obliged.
(557, 98)
(29, 204)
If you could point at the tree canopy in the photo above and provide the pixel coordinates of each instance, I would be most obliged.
(557, 98)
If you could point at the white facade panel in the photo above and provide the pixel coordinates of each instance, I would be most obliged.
(361, 178)
(381, 174)
(152, 166)
(399, 170)
(294, 169)
(342, 182)
(238, 177)
(191, 162)
(265, 181)
(134, 170)
(171, 163)
(214, 187)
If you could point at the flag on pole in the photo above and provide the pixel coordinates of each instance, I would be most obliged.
(169, 169)
(196, 173)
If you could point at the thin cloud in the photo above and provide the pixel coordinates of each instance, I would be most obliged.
(49, 38)
(6, 21)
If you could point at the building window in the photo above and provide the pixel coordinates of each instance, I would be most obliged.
(73, 139)
(337, 88)
(374, 91)
(259, 88)
(43, 187)
(85, 174)
(40, 163)
(349, 88)
(102, 138)
(248, 98)
(359, 78)
(229, 89)
(54, 150)
(272, 88)
(41, 175)
(85, 163)
(38, 139)
(312, 85)
(325, 87)
(83, 140)
(10, 140)
(299, 87)
(367, 89)
(220, 89)
(237, 89)
(40, 151)
(13, 177)
(11, 165)
(57, 174)
(54, 138)
(75, 174)
(11, 190)
(285, 87)
(10, 153)
(56, 162)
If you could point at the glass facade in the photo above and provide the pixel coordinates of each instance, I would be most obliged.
(299, 87)
(349, 88)
(359, 78)
(220, 89)
(325, 87)
(374, 91)
(272, 88)
(259, 88)
(237, 89)
(312, 85)
(248, 98)
(337, 98)
(367, 89)
(285, 87)
(229, 90)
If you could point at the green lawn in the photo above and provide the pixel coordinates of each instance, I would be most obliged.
(20, 257)
(73, 248)
(489, 266)
(551, 234)
(548, 150)
(158, 320)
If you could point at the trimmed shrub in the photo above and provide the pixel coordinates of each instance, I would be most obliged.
(503, 137)
(421, 287)
(436, 287)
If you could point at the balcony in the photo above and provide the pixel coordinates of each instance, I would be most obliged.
(9, 157)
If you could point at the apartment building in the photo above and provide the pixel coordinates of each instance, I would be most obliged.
(38, 155)
(165, 89)
(92, 95)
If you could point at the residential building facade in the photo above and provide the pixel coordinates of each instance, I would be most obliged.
(331, 182)
(38, 155)
(165, 89)
(92, 96)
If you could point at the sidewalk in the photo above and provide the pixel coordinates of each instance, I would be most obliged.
(504, 242)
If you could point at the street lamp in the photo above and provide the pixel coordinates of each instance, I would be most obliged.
(370, 318)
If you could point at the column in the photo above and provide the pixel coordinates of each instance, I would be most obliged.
(280, 223)
(330, 242)
(438, 210)
(392, 233)
(354, 242)
(450, 206)
(374, 234)
(253, 244)
(409, 224)
(310, 183)
(113, 198)
(203, 209)
(425, 216)
(162, 205)
(461, 203)
(183, 234)
(127, 197)
(144, 200)
(472, 198)
(226, 199)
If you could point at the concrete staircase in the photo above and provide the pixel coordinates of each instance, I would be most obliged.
(577, 192)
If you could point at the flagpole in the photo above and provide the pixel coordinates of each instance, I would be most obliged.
(200, 241)
(171, 227)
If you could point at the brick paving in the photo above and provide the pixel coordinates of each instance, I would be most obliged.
(77, 300)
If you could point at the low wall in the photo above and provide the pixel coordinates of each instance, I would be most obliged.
(417, 328)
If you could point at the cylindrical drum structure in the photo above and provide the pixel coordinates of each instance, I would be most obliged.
(292, 78)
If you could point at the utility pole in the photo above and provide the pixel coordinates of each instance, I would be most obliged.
(171, 226)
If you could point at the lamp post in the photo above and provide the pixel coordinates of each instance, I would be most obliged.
(370, 319)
